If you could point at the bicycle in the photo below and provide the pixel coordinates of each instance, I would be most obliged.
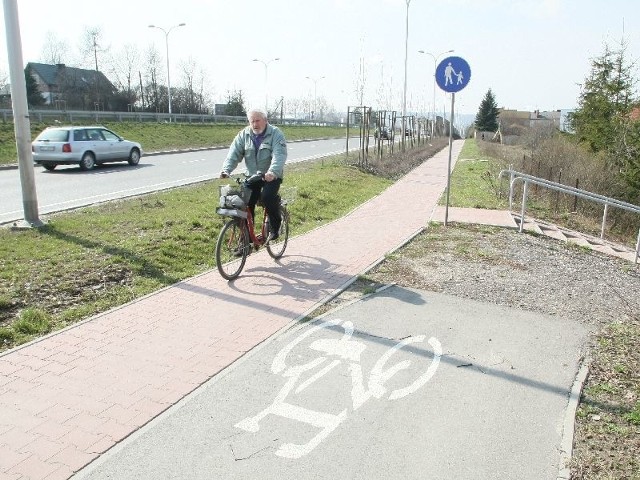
(238, 236)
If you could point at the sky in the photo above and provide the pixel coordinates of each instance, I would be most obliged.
(532, 54)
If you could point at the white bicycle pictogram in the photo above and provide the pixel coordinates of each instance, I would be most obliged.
(343, 350)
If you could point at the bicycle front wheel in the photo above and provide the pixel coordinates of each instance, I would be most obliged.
(277, 247)
(232, 249)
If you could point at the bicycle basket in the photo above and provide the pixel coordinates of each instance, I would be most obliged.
(232, 196)
(229, 190)
(233, 201)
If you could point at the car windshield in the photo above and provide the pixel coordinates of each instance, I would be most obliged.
(54, 135)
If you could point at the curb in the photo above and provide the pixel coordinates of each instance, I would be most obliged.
(569, 425)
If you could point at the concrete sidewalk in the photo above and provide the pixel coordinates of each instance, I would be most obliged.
(71, 396)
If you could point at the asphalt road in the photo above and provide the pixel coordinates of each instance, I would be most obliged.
(69, 187)
(403, 384)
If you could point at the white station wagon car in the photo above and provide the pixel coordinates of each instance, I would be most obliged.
(84, 146)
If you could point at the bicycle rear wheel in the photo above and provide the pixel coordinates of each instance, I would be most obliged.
(277, 247)
(232, 248)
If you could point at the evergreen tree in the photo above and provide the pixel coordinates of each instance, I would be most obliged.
(603, 120)
(235, 104)
(487, 116)
(605, 102)
(34, 97)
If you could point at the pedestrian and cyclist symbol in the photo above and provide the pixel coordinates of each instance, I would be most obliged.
(453, 74)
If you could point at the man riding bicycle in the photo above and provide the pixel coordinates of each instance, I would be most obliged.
(264, 149)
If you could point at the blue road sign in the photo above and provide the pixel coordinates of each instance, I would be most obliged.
(453, 74)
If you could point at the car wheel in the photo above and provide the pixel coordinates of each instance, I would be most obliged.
(50, 166)
(134, 156)
(88, 161)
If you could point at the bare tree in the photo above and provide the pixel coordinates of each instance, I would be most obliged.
(91, 45)
(91, 48)
(154, 93)
(123, 74)
(54, 50)
(186, 101)
(123, 66)
(204, 95)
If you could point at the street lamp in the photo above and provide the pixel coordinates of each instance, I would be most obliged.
(435, 66)
(166, 40)
(315, 94)
(266, 85)
(404, 94)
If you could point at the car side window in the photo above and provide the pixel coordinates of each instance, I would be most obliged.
(95, 135)
(80, 135)
(110, 136)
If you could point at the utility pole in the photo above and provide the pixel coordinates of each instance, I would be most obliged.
(95, 56)
(166, 41)
(266, 80)
(404, 92)
(22, 124)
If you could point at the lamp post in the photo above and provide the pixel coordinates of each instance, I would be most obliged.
(435, 66)
(404, 93)
(315, 94)
(166, 40)
(266, 85)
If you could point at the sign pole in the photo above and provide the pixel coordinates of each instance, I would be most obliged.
(446, 209)
(452, 75)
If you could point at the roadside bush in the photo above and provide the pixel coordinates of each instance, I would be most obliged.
(557, 158)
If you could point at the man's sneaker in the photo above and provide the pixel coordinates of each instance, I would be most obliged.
(272, 236)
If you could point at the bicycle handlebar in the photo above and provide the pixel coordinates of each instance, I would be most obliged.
(248, 180)
(255, 178)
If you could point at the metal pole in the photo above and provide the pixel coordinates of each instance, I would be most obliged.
(406, 54)
(266, 88)
(446, 211)
(315, 95)
(435, 66)
(166, 41)
(22, 125)
(266, 79)
(433, 125)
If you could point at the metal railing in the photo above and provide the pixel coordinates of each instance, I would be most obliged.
(526, 179)
(44, 115)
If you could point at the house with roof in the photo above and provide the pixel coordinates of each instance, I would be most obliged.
(70, 88)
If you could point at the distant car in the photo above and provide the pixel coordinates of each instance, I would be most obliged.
(385, 133)
(84, 146)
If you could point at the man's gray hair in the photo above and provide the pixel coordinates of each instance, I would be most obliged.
(257, 111)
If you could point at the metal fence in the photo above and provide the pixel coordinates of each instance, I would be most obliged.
(70, 116)
(526, 179)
